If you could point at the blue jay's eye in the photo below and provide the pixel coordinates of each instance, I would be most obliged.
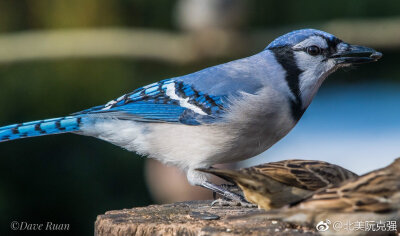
(313, 50)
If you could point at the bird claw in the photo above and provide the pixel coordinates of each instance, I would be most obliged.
(226, 202)
(231, 188)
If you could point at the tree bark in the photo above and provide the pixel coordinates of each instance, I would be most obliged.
(191, 218)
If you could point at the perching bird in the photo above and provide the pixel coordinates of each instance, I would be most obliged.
(275, 184)
(224, 113)
(373, 197)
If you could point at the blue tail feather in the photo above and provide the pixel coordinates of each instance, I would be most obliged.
(40, 127)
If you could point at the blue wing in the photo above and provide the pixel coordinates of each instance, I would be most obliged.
(200, 97)
(152, 103)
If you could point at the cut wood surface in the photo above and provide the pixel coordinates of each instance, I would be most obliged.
(191, 218)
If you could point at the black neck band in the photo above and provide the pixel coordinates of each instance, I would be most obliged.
(285, 57)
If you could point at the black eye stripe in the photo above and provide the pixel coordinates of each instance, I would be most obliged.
(331, 49)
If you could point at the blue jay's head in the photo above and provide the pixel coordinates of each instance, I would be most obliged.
(322, 49)
(317, 53)
(308, 56)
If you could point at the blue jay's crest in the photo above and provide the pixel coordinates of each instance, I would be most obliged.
(297, 36)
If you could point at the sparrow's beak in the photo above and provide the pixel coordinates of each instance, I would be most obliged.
(354, 54)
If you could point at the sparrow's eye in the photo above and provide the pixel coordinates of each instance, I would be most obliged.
(313, 50)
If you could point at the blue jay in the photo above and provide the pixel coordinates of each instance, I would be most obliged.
(225, 113)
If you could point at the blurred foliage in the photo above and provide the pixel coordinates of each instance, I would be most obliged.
(276, 13)
(40, 14)
(70, 178)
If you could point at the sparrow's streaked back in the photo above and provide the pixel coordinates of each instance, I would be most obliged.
(275, 184)
(372, 192)
(373, 197)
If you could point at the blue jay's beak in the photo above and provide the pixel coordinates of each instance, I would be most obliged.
(354, 54)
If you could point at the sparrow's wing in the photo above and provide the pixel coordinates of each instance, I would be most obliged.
(373, 196)
(305, 174)
(376, 192)
(382, 212)
(277, 184)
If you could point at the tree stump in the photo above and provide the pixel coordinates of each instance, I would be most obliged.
(191, 218)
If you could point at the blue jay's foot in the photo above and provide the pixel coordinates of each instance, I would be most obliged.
(227, 202)
(224, 193)
(233, 188)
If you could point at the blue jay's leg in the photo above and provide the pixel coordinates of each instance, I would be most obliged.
(198, 178)
(223, 192)
(231, 198)
(230, 187)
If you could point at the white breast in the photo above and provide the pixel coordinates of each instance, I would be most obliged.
(253, 124)
(256, 123)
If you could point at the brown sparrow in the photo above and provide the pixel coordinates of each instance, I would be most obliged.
(275, 184)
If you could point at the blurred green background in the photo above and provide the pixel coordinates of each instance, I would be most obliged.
(71, 179)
